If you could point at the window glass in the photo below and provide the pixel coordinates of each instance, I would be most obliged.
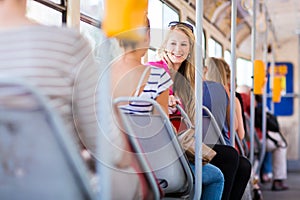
(56, 1)
(219, 50)
(169, 15)
(159, 14)
(43, 14)
(227, 57)
(91, 33)
(244, 71)
(92, 8)
(97, 39)
(151, 55)
(214, 48)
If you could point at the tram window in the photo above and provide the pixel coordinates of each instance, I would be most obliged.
(92, 8)
(214, 48)
(151, 55)
(91, 33)
(159, 14)
(227, 57)
(97, 39)
(244, 71)
(56, 1)
(43, 14)
(161, 19)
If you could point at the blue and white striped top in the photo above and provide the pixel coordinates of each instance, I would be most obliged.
(159, 81)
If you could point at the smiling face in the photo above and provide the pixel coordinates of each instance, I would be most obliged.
(178, 47)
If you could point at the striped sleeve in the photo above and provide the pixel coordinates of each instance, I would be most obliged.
(84, 99)
(164, 81)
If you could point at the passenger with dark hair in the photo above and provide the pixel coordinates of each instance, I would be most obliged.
(275, 143)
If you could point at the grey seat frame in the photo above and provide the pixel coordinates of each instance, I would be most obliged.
(159, 144)
(38, 159)
(211, 132)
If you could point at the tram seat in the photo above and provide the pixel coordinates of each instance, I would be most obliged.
(37, 158)
(160, 146)
(213, 135)
(211, 131)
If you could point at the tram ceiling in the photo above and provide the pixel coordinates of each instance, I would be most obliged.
(284, 16)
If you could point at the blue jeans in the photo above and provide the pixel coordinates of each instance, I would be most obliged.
(267, 163)
(212, 182)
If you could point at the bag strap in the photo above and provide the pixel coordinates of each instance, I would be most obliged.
(141, 81)
(276, 142)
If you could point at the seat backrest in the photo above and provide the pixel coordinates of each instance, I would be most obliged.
(211, 131)
(160, 146)
(37, 158)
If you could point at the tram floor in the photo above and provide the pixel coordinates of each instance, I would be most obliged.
(293, 193)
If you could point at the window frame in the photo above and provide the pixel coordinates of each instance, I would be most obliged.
(62, 7)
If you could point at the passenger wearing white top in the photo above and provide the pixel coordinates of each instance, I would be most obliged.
(58, 61)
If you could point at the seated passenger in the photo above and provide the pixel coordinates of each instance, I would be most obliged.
(177, 54)
(278, 150)
(216, 98)
(279, 153)
(54, 59)
(129, 77)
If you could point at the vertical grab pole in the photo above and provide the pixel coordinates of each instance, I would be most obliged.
(104, 113)
(264, 105)
(198, 98)
(252, 111)
(298, 85)
(233, 70)
(272, 67)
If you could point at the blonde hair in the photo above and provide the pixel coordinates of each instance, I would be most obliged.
(227, 69)
(216, 70)
(184, 82)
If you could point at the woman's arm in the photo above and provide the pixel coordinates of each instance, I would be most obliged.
(163, 100)
(238, 112)
(236, 121)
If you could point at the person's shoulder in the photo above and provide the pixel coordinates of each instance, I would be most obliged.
(216, 87)
(213, 84)
(63, 34)
(52, 29)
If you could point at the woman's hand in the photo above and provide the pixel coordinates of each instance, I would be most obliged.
(173, 101)
(168, 60)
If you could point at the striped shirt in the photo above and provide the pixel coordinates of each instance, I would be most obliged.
(158, 81)
(54, 60)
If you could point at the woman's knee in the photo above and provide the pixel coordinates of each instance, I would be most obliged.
(245, 164)
(219, 176)
(212, 174)
(226, 153)
(244, 168)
